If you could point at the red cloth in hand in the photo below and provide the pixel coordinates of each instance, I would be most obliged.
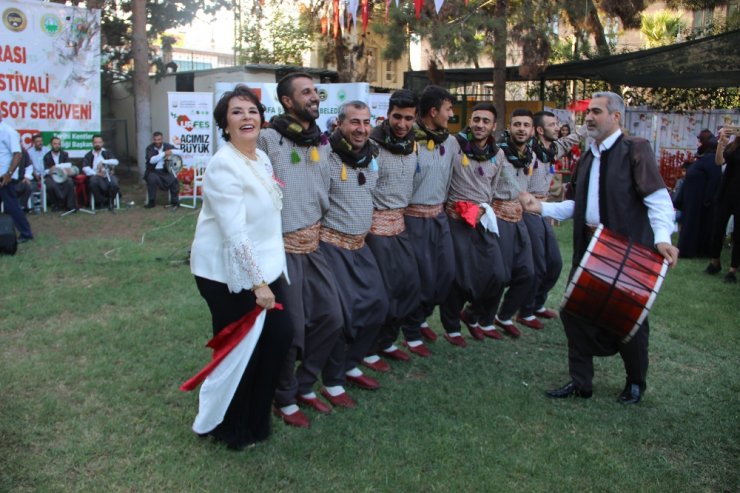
(223, 342)
(468, 211)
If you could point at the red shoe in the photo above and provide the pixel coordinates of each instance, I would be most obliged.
(509, 329)
(473, 327)
(420, 350)
(297, 419)
(314, 403)
(363, 382)
(456, 340)
(380, 366)
(492, 333)
(546, 313)
(395, 355)
(341, 400)
(427, 333)
(532, 324)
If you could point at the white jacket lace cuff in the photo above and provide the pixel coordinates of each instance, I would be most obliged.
(242, 266)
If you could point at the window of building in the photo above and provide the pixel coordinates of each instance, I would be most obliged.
(390, 71)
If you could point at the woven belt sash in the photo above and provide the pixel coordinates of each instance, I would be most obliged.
(302, 241)
(387, 222)
(508, 210)
(452, 211)
(420, 210)
(341, 240)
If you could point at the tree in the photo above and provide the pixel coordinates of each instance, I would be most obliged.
(276, 38)
(661, 28)
(142, 93)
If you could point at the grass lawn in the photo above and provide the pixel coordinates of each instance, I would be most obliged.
(100, 328)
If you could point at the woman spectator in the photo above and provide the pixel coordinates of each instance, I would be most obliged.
(237, 257)
(696, 203)
(564, 131)
(728, 204)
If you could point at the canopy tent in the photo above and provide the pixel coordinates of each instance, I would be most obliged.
(713, 61)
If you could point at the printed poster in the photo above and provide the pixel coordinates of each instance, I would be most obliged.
(50, 72)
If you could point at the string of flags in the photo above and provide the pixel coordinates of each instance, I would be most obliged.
(336, 13)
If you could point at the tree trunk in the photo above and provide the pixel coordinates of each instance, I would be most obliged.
(593, 23)
(499, 64)
(140, 48)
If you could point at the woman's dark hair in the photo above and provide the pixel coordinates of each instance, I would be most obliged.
(560, 132)
(222, 107)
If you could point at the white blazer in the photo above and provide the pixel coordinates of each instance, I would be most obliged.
(238, 238)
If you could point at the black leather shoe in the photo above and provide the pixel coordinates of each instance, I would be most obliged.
(712, 269)
(568, 390)
(149, 205)
(631, 394)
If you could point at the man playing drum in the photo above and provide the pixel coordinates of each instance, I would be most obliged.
(157, 175)
(617, 183)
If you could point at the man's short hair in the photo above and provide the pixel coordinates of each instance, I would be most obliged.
(539, 118)
(285, 85)
(97, 136)
(433, 97)
(356, 104)
(522, 112)
(485, 106)
(614, 101)
(37, 136)
(157, 134)
(55, 138)
(403, 98)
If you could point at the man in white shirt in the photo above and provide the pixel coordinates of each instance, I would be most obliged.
(10, 156)
(618, 184)
(98, 165)
(157, 175)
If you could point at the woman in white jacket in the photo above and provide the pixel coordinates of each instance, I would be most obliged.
(236, 257)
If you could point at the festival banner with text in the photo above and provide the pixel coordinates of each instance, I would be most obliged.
(50, 72)
(191, 126)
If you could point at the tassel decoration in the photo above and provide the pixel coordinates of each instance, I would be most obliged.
(465, 160)
(294, 157)
(430, 145)
(344, 172)
(480, 171)
(361, 178)
(373, 165)
(418, 167)
(441, 150)
(315, 154)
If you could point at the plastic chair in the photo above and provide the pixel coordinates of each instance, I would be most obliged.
(199, 171)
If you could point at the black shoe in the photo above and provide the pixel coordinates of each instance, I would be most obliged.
(24, 239)
(175, 206)
(730, 278)
(712, 269)
(631, 394)
(150, 205)
(568, 390)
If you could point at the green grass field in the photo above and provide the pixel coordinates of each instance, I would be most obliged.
(100, 328)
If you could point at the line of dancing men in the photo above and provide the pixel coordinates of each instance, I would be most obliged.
(382, 224)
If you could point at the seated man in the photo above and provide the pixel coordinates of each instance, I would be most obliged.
(62, 193)
(22, 180)
(98, 165)
(157, 175)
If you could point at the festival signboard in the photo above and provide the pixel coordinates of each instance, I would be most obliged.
(50, 72)
(190, 116)
(331, 96)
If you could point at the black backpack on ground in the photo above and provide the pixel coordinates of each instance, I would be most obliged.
(8, 240)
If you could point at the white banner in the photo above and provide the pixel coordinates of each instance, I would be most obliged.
(190, 116)
(50, 72)
(331, 95)
(378, 103)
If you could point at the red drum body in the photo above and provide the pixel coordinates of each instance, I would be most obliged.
(615, 284)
